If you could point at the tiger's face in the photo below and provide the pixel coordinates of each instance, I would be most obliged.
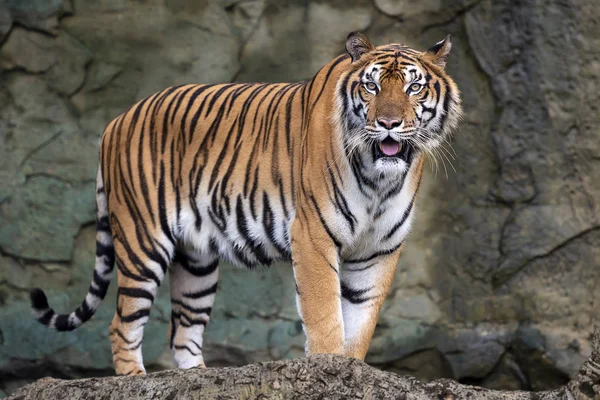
(395, 102)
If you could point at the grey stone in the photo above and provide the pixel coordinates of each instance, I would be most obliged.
(49, 191)
(148, 49)
(407, 9)
(321, 29)
(396, 338)
(530, 353)
(41, 15)
(425, 365)
(45, 210)
(28, 50)
(506, 376)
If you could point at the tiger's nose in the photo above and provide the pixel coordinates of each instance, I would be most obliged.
(389, 123)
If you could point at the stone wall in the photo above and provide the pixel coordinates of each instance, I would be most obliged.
(498, 285)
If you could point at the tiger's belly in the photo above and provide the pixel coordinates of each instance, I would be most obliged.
(252, 230)
(242, 233)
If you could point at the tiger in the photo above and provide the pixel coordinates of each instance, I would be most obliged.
(323, 173)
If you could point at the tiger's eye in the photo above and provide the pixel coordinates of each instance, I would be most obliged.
(372, 86)
(415, 87)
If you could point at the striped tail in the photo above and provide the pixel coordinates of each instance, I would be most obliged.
(105, 260)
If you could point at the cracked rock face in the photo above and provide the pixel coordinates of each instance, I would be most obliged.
(498, 285)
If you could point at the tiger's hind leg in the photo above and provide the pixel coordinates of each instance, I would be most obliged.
(193, 280)
(141, 269)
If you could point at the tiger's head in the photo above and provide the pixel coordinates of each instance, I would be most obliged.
(395, 101)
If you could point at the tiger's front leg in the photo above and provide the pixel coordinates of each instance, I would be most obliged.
(365, 284)
(315, 262)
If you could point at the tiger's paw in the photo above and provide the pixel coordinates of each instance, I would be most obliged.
(190, 362)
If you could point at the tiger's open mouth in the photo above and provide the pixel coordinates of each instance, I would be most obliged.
(389, 148)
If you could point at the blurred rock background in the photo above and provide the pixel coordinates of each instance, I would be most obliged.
(499, 284)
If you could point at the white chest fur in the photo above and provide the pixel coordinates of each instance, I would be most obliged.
(383, 216)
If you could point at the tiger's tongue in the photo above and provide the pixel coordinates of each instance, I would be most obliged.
(389, 147)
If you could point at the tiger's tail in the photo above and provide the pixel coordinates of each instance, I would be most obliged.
(103, 271)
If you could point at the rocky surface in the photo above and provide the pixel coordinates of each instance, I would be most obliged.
(316, 377)
(498, 285)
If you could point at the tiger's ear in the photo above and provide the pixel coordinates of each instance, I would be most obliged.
(438, 54)
(357, 44)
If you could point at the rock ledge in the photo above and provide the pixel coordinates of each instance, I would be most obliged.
(315, 377)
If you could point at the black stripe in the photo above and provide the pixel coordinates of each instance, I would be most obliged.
(282, 199)
(196, 310)
(194, 185)
(230, 168)
(102, 224)
(242, 226)
(250, 169)
(216, 97)
(196, 343)
(402, 220)
(394, 190)
(46, 317)
(162, 204)
(131, 275)
(269, 227)
(235, 94)
(143, 235)
(102, 285)
(131, 131)
(362, 179)
(332, 267)
(272, 113)
(201, 293)
(340, 202)
(141, 167)
(375, 255)
(288, 118)
(197, 114)
(179, 100)
(83, 312)
(107, 251)
(344, 93)
(196, 271)
(144, 312)
(184, 347)
(445, 105)
(120, 334)
(354, 296)
(324, 84)
(135, 292)
(61, 323)
(173, 327)
(331, 235)
(188, 322)
(199, 90)
(253, 194)
(154, 132)
(176, 179)
(243, 113)
(215, 219)
(359, 269)
(224, 149)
